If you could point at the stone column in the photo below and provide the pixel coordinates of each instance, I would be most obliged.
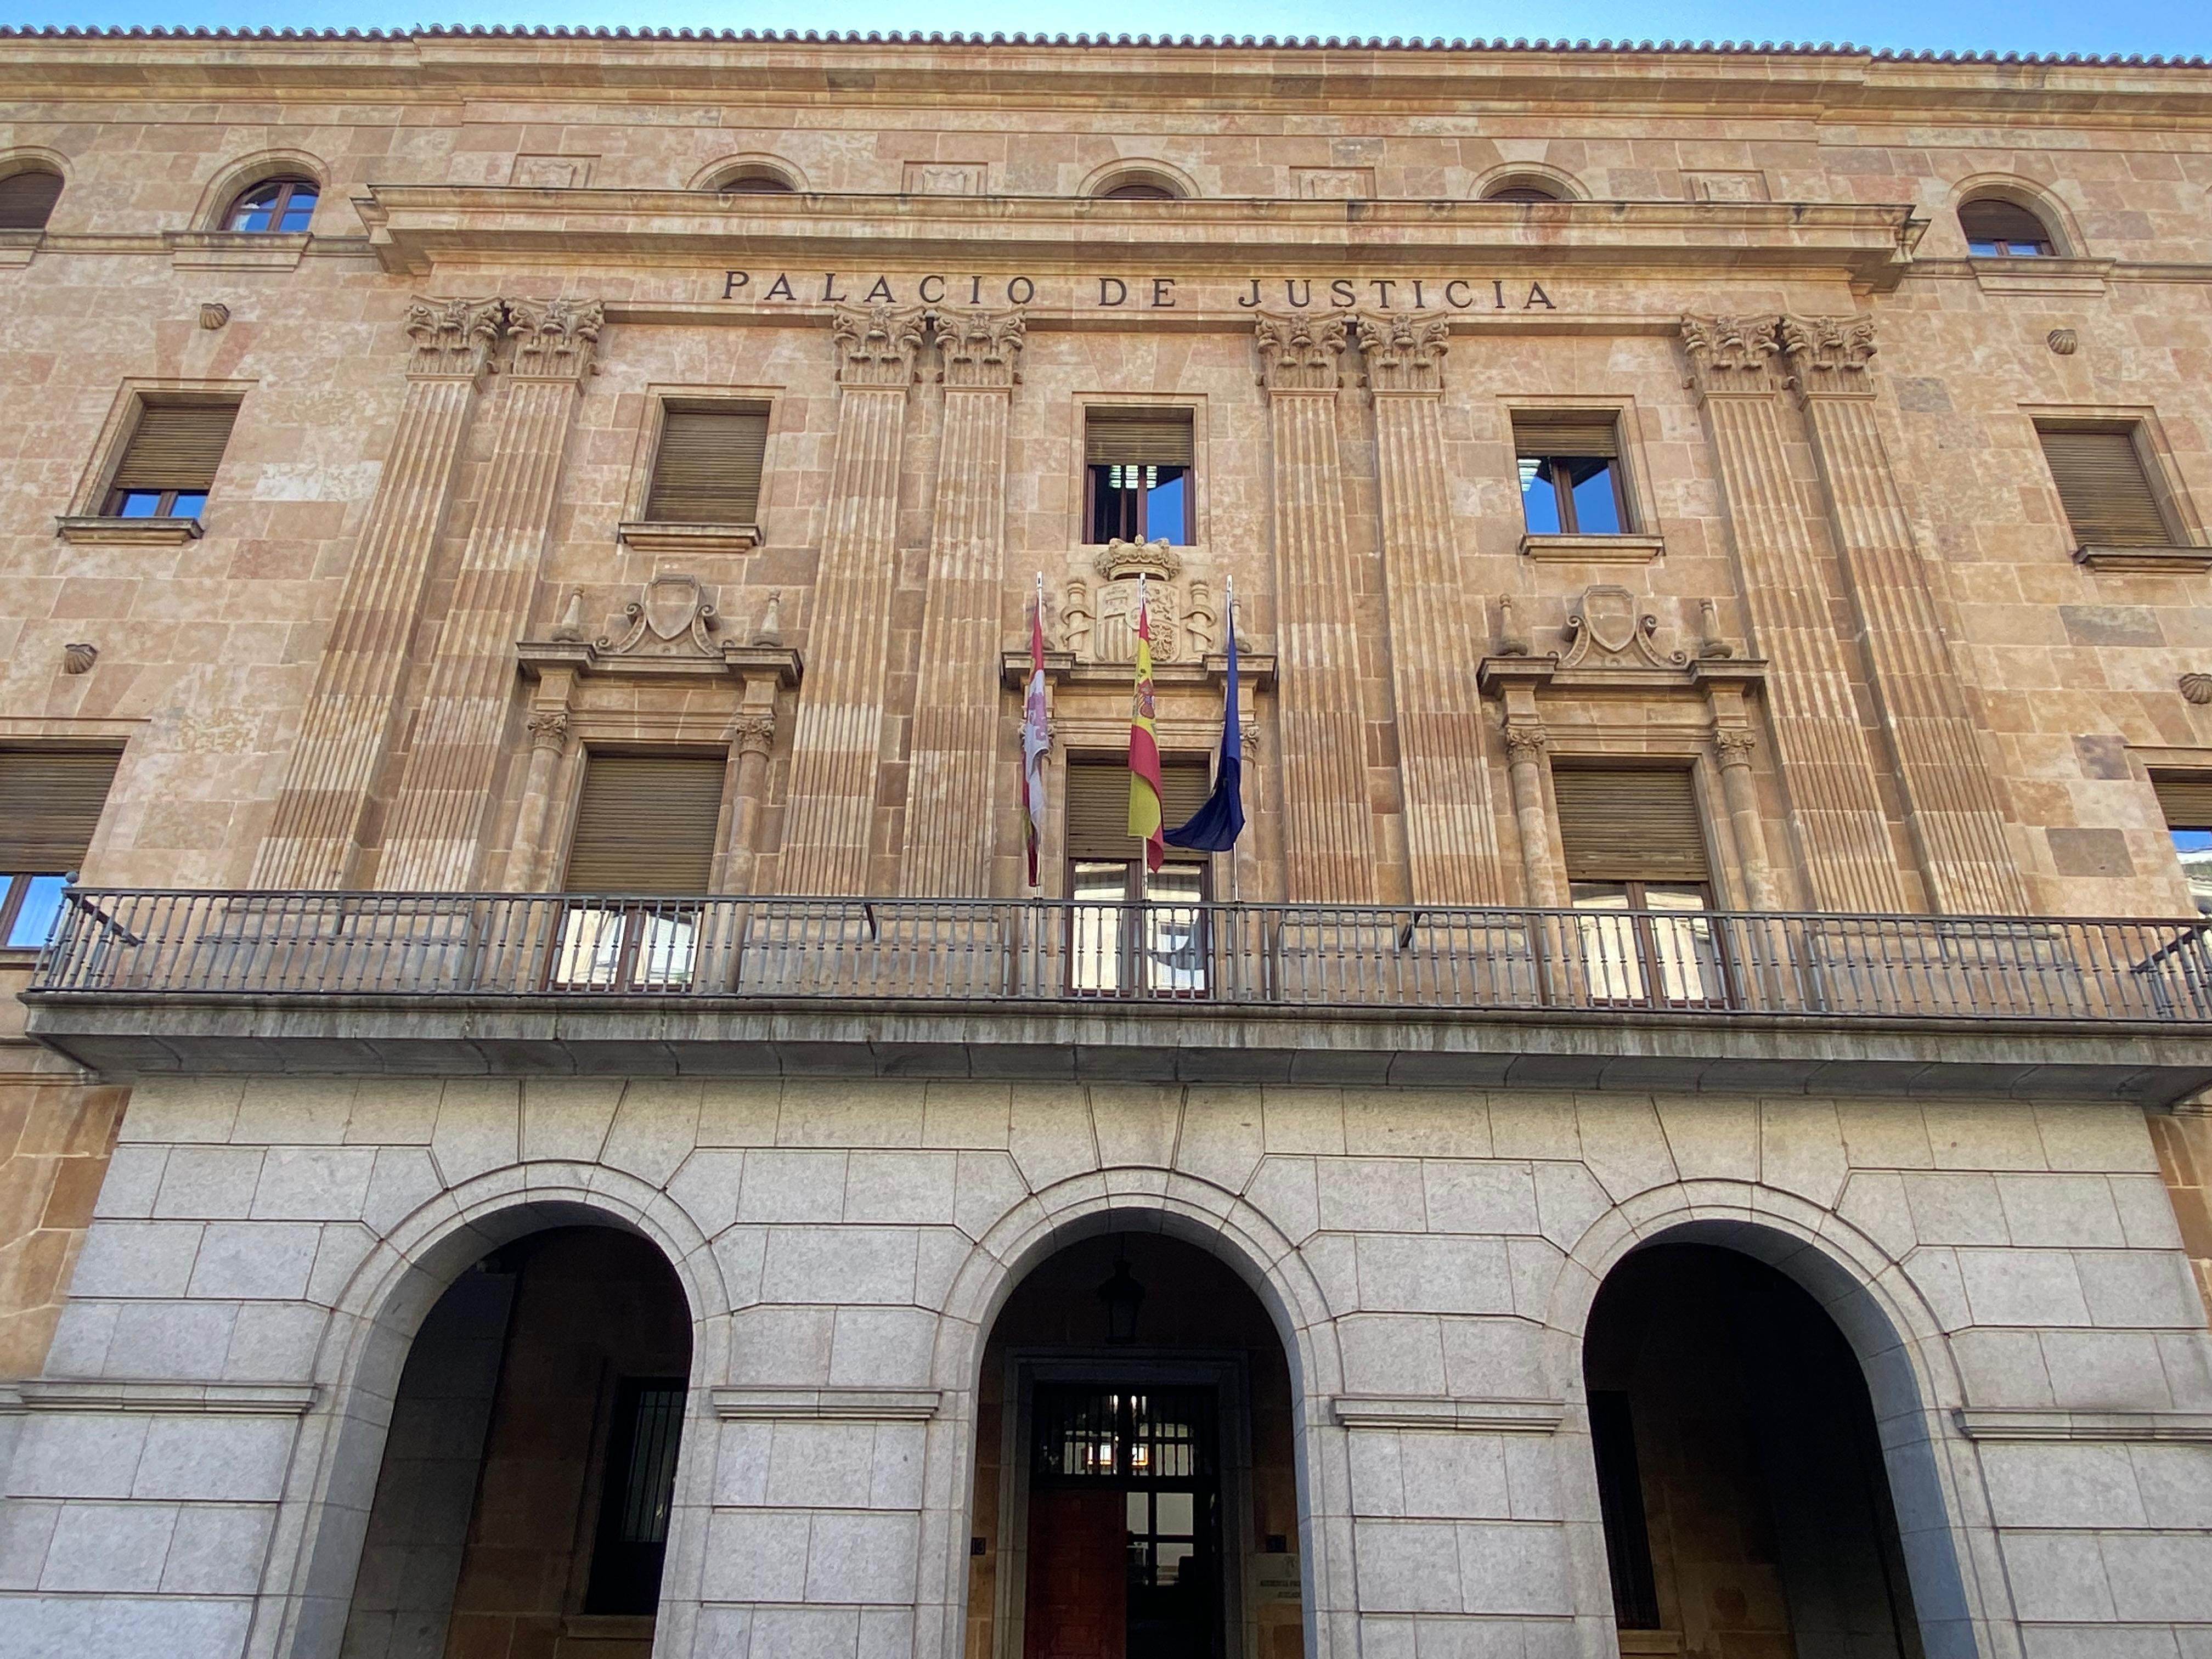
(1451, 839)
(1328, 832)
(347, 729)
(840, 712)
(549, 736)
(1527, 749)
(436, 827)
(1827, 769)
(752, 739)
(1950, 803)
(1732, 747)
(957, 748)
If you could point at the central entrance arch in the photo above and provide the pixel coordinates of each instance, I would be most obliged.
(1136, 1489)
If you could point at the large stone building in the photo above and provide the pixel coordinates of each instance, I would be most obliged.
(553, 1122)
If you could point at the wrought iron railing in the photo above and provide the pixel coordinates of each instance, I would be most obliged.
(137, 942)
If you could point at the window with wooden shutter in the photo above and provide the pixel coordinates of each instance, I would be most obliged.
(707, 467)
(1148, 437)
(50, 804)
(1097, 818)
(2101, 480)
(26, 199)
(646, 824)
(169, 464)
(1630, 825)
(1995, 228)
(1138, 466)
(2185, 798)
(1571, 477)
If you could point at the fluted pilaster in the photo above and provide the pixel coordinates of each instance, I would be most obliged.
(1451, 837)
(838, 728)
(348, 728)
(1827, 770)
(453, 761)
(1329, 831)
(1951, 804)
(959, 745)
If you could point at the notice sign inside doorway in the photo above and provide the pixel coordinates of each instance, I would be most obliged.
(1275, 1579)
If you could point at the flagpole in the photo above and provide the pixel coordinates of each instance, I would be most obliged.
(1144, 864)
(1229, 605)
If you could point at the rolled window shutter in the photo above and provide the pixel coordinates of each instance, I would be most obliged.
(646, 824)
(2185, 798)
(2100, 479)
(50, 804)
(26, 199)
(1630, 826)
(175, 446)
(1539, 433)
(1098, 807)
(707, 469)
(1991, 220)
(1139, 437)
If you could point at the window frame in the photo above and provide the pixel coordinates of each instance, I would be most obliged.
(667, 401)
(36, 166)
(1626, 506)
(2046, 246)
(2140, 427)
(139, 402)
(1187, 413)
(1563, 495)
(287, 185)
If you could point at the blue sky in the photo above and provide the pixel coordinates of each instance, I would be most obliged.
(2170, 26)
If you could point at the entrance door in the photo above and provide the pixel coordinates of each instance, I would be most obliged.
(1125, 1524)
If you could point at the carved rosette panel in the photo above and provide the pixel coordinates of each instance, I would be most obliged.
(555, 339)
(1300, 353)
(453, 338)
(1732, 353)
(1404, 353)
(877, 345)
(1829, 356)
(981, 349)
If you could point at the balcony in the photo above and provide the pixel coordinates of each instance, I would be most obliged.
(135, 982)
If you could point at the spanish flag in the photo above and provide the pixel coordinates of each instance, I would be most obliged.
(1145, 746)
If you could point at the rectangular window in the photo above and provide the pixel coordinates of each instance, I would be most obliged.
(2186, 799)
(1570, 482)
(1634, 850)
(50, 804)
(707, 467)
(1118, 946)
(1139, 468)
(169, 464)
(636, 1492)
(2107, 489)
(645, 827)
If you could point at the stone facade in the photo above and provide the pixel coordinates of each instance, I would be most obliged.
(427, 586)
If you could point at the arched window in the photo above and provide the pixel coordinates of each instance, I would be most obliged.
(27, 198)
(1996, 228)
(755, 181)
(1137, 191)
(274, 204)
(1523, 193)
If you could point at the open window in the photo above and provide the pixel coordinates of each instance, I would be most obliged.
(643, 849)
(50, 804)
(1138, 466)
(1134, 933)
(1996, 228)
(1635, 848)
(168, 463)
(1571, 473)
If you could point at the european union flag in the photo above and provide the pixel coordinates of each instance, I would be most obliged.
(1216, 825)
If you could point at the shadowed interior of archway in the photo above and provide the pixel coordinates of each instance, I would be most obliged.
(523, 1502)
(1136, 1491)
(1746, 1504)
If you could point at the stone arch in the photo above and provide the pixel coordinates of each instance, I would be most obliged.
(2038, 199)
(325, 1510)
(1957, 1579)
(1529, 175)
(733, 173)
(1197, 1212)
(1129, 172)
(236, 177)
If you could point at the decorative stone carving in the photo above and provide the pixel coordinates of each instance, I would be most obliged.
(569, 631)
(214, 314)
(1512, 639)
(1712, 646)
(78, 657)
(1155, 559)
(1525, 741)
(1201, 623)
(2196, 688)
(1075, 619)
(1607, 629)
(451, 337)
(877, 345)
(548, 729)
(1300, 353)
(1107, 631)
(2063, 341)
(1734, 745)
(769, 630)
(1404, 352)
(672, 617)
(753, 734)
(1829, 356)
(555, 339)
(1732, 353)
(980, 348)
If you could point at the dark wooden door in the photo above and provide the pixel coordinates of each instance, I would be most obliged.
(1079, 1582)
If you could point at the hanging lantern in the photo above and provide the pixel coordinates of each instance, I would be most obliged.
(1121, 1295)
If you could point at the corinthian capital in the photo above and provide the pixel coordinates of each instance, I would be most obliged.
(1299, 353)
(1828, 356)
(876, 345)
(454, 338)
(1732, 353)
(1404, 353)
(980, 348)
(753, 734)
(555, 339)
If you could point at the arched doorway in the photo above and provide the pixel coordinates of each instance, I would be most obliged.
(1740, 1476)
(1136, 1489)
(523, 1501)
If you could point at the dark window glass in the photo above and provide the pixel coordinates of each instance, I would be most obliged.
(636, 1497)
(1620, 1508)
(275, 205)
(26, 199)
(758, 184)
(1999, 229)
(1138, 190)
(1522, 193)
